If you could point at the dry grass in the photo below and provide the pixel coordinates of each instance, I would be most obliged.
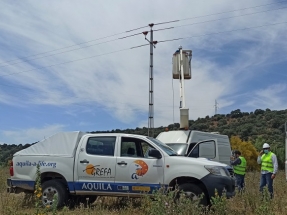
(250, 202)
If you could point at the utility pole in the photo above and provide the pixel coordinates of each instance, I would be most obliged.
(215, 107)
(151, 100)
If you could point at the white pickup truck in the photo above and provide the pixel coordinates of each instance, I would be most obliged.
(77, 164)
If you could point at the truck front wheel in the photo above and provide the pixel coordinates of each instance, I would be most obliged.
(54, 190)
(194, 192)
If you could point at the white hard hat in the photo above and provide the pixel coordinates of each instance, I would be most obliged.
(265, 146)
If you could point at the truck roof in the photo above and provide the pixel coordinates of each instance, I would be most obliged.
(60, 144)
(182, 136)
(179, 136)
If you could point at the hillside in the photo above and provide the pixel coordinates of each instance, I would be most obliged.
(258, 127)
(262, 124)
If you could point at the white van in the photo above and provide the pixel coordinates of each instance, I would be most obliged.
(198, 144)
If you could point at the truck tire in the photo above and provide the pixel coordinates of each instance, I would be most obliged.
(194, 192)
(52, 188)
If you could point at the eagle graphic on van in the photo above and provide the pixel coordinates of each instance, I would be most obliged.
(138, 169)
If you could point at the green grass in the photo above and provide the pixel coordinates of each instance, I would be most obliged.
(250, 202)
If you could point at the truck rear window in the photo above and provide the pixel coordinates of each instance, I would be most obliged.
(104, 146)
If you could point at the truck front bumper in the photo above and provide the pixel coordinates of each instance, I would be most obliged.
(223, 185)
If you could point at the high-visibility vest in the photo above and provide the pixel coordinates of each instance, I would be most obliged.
(266, 162)
(241, 168)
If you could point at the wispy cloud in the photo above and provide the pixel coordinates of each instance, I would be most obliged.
(271, 97)
(30, 135)
(116, 85)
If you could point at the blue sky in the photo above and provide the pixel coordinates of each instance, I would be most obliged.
(62, 70)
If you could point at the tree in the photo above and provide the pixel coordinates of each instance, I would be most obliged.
(259, 143)
(236, 113)
(279, 150)
(258, 111)
(245, 131)
(248, 151)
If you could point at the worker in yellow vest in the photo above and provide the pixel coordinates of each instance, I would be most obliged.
(239, 166)
(269, 168)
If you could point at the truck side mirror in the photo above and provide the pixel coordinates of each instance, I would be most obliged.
(154, 153)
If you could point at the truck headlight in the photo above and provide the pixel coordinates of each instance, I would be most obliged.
(217, 170)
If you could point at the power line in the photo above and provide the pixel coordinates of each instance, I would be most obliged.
(80, 48)
(75, 45)
(168, 28)
(246, 14)
(213, 20)
(66, 62)
(168, 40)
(8, 62)
(220, 32)
(56, 53)
(68, 50)
(163, 29)
(160, 23)
(195, 17)
(146, 44)
(1, 65)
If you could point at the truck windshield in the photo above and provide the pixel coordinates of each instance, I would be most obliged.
(163, 146)
(180, 148)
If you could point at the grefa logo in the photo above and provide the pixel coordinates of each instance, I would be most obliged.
(96, 170)
(138, 169)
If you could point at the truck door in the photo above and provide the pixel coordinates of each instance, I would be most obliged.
(206, 149)
(136, 171)
(95, 165)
